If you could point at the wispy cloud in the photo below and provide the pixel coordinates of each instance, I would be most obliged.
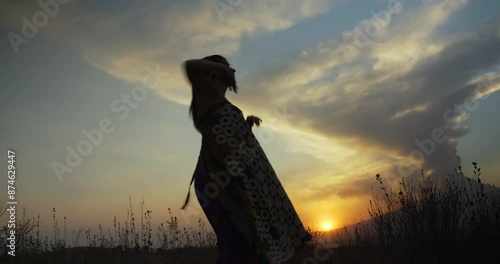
(391, 95)
(123, 38)
(360, 101)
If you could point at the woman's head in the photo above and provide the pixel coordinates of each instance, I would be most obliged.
(219, 59)
(192, 108)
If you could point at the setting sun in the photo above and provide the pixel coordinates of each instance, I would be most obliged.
(327, 226)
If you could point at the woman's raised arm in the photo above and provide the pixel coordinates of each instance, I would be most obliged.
(197, 68)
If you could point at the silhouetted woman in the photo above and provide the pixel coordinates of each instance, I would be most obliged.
(243, 199)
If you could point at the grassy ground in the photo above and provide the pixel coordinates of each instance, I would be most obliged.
(481, 253)
(456, 220)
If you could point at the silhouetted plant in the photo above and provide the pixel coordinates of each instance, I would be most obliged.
(424, 221)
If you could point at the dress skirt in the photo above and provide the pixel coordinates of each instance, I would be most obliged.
(241, 194)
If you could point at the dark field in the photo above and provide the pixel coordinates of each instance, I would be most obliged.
(456, 220)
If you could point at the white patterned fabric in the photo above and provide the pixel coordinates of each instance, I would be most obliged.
(248, 187)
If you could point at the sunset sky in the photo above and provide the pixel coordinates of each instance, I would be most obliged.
(346, 89)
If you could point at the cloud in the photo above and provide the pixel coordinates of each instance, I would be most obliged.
(366, 97)
(124, 37)
(393, 94)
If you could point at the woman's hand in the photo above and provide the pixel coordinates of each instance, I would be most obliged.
(251, 120)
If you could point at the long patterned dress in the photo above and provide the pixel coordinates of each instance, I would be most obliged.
(234, 172)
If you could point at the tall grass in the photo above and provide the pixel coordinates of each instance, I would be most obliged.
(427, 220)
(133, 235)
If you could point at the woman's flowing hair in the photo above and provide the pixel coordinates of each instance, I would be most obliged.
(193, 108)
